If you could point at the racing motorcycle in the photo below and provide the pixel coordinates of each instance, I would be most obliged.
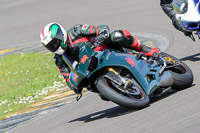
(188, 12)
(125, 77)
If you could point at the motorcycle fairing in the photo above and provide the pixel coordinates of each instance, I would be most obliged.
(141, 69)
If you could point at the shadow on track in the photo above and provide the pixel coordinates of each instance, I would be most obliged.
(195, 57)
(167, 94)
(108, 113)
(119, 110)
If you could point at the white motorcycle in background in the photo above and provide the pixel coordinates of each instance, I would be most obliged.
(188, 12)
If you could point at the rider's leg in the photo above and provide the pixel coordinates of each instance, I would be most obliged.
(123, 38)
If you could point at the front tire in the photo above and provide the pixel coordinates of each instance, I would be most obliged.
(110, 91)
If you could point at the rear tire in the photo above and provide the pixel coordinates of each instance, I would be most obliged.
(182, 74)
(112, 93)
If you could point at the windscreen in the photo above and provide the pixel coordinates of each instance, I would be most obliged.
(180, 6)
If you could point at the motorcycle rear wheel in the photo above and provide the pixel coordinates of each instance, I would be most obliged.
(111, 91)
(182, 74)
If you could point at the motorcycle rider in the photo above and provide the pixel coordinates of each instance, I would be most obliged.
(54, 37)
(167, 7)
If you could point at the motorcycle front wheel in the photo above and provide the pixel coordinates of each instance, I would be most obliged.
(133, 97)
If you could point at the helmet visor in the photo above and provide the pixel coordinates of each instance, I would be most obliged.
(53, 45)
(56, 41)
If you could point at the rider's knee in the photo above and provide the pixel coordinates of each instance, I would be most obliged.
(121, 37)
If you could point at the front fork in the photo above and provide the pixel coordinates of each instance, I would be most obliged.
(124, 81)
(126, 85)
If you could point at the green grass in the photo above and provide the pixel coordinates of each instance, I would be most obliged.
(24, 79)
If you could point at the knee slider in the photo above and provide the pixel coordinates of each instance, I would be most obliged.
(122, 38)
(121, 34)
(117, 35)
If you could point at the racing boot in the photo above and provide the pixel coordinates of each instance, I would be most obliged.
(148, 51)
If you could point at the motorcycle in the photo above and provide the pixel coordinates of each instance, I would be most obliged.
(188, 12)
(126, 77)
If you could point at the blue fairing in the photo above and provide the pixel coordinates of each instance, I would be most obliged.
(183, 8)
(196, 2)
(193, 25)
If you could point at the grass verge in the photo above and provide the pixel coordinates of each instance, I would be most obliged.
(26, 78)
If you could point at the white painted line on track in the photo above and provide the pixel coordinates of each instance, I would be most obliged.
(162, 41)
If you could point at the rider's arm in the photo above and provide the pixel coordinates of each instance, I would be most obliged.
(89, 30)
(65, 71)
(166, 1)
(167, 7)
(63, 68)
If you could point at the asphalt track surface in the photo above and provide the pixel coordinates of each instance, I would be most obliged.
(176, 112)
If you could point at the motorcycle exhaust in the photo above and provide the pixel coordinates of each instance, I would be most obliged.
(166, 79)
